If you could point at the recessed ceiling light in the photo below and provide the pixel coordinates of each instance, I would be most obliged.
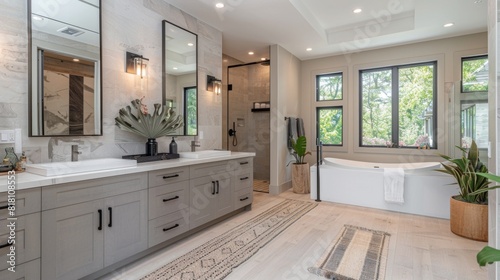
(357, 11)
(175, 68)
(250, 53)
(190, 44)
(224, 60)
(76, 59)
(35, 17)
(219, 5)
(263, 58)
(309, 49)
(449, 24)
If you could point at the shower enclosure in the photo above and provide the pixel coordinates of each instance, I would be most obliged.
(248, 116)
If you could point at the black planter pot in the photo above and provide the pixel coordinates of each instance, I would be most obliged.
(151, 147)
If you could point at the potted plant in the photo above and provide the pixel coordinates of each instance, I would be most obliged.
(489, 255)
(300, 168)
(468, 209)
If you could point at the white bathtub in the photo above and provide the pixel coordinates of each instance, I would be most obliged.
(426, 191)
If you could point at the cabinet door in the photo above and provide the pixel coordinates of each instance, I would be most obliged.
(126, 226)
(203, 201)
(72, 244)
(224, 197)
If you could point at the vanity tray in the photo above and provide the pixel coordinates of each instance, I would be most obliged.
(146, 158)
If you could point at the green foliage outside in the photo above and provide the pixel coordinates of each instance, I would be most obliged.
(191, 111)
(415, 93)
(474, 74)
(330, 125)
(329, 87)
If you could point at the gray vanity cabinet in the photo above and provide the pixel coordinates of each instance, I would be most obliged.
(210, 199)
(27, 235)
(92, 224)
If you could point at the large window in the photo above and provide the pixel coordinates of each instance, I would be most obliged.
(329, 109)
(398, 106)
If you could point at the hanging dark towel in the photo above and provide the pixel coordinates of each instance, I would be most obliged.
(300, 127)
(292, 131)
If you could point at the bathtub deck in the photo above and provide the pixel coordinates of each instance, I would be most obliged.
(419, 247)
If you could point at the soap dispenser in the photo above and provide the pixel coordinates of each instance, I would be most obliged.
(173, 147)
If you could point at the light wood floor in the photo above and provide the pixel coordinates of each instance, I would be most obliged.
(419, 247)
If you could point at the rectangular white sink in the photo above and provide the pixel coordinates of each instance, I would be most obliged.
(64, 168)
(205, 154)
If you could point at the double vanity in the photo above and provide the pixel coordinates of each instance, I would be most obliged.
(85, 224)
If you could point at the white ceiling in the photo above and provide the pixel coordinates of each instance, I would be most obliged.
(330, 27)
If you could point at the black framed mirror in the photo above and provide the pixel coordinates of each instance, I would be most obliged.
(180, 75)
(65, 91)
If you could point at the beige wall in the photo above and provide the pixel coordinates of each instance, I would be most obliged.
(127, 25)
(285, 102)
(446, 51)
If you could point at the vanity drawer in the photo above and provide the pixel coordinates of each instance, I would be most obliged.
(169, 226)
(25, 271)
(171, 175)
(27, 201)
(209, 169)
(168, 198)
(243, 180)
(27, 239)
(242, 165)
(84, 191)
(243, 198)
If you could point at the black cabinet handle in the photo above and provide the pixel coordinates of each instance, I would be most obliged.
(217, 192)
(243, 199)
(213, 187)
(4, 207)
(244, 178)
(4, 245)
(100, 219)
(171, 176)
(110, 216)
(172, 198)
(244, 162)
(172, 227)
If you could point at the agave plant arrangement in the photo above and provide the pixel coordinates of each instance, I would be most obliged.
(161, 122)
(473, 188)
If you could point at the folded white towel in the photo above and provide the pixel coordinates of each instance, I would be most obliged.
(394, 181)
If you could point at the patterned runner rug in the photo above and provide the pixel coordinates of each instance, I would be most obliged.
(358, 253)
(216, 258)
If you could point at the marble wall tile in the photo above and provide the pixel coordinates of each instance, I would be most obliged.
(127, 25)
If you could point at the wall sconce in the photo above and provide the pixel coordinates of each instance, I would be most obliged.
(213, 84)
(136, 64)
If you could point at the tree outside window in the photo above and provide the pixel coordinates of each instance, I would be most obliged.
(398, 106)
(329, 109)
(190, 111)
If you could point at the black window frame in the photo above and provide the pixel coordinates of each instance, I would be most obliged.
(395, 103)
(474, 57)
(318, 77)
(318, 108)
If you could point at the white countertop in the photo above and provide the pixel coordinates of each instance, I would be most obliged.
(27, 180)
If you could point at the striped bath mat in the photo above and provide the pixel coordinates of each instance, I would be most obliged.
(358, 253)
